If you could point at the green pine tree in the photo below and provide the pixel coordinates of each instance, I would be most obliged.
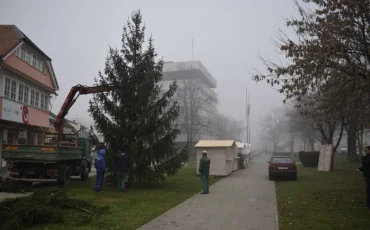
(137, 115)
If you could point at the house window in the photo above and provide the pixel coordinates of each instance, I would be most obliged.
(38, 64)
(32, 97)
(23, 53)
(7, 88)
(41, 66)
(37, 99)
(34, 61)
(46, 102)
(20, 92)
(28, 57)
(42, 104)
(13, 90)
(26, 93)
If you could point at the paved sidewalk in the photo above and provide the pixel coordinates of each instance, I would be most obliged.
(243, 200)
(5, 195)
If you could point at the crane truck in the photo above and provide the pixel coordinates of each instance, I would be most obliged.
(57, 158)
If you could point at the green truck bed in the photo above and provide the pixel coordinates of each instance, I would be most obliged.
(41, 153)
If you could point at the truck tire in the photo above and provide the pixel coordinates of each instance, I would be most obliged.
(65, 177)
(84, 173)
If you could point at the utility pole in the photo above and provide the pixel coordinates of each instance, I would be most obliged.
(192, 49)
(249, 121)
(247, 116)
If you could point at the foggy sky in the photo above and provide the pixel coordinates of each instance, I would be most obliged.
(229, 36)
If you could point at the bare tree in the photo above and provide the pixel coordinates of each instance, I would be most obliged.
(302, 127)
(227, 128)
(197, 109)
(273, 126)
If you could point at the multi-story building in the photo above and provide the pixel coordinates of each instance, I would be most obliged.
(198, 101)
(27, 81)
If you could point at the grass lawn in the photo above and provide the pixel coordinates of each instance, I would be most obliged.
(324, 200)
(135, 207)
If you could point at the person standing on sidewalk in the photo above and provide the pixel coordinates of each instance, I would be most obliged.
(203, 172)
(99, 162)
(121, 169)
(365, 169)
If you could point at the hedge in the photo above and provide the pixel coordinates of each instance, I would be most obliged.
(309, 159)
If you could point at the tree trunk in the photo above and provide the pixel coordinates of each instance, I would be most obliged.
(361, 137)
(337, 144)
(359, 143)
(312, 143)
(292, 145)
(330, 142)
(351, 139)
(275, 146)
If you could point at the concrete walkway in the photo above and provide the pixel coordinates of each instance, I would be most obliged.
(5, 195)
(243, 200)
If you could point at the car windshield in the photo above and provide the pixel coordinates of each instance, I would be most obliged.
(284, 160)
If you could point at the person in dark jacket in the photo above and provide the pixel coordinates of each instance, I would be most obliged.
(365, 169)
(203, 172)
(99, 163)
(121, 169)
(241, 160)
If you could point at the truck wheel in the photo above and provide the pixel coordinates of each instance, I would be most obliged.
(66, 177)
(84, 173)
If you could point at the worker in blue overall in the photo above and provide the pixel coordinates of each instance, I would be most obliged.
(100, 170)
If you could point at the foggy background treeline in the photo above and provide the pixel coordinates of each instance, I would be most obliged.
(324, 73)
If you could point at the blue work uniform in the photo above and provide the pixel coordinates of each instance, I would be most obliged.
(100, 170)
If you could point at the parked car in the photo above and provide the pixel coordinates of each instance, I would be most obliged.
(282, 166)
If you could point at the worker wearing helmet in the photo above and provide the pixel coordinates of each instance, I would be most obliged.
(204, 165)
(99, 162)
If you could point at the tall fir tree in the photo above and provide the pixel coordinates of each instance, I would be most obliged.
(137, 114)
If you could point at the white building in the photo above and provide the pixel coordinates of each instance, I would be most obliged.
(198, 101)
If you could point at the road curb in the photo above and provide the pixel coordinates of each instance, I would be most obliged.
(276, 210)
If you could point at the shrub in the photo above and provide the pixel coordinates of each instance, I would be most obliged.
(309, 159)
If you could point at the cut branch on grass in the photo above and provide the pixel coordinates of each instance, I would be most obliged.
(42, 208)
